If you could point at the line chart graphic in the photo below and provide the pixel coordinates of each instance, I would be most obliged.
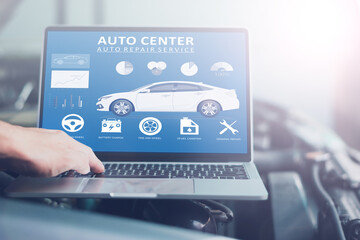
(69, 79)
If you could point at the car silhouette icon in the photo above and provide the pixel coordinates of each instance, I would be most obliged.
(71, 59)
(171, 96)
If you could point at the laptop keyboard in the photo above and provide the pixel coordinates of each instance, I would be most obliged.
(129, 170)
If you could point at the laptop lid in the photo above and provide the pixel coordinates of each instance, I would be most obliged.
(149, 94)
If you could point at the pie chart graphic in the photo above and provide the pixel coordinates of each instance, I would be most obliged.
(189, 69)
(222, 67)
(124, 68)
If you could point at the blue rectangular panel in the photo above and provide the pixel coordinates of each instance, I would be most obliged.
(148, 81)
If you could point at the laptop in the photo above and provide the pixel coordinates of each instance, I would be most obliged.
(167, 110)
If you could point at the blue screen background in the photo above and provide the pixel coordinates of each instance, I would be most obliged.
(209, 48)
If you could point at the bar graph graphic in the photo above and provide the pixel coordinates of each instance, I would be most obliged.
(55, 102)
(69, 102)
(80, 102)
(64, 104)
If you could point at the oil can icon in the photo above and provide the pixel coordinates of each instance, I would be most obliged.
(188, 127)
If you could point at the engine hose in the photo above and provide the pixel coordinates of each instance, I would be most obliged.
(328, 201)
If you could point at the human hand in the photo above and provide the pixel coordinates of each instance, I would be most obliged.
(42, 152)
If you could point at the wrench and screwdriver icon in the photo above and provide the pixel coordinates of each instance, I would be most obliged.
(228, 127)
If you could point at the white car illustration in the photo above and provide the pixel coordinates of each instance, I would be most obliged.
(171, 96)
(71, 59)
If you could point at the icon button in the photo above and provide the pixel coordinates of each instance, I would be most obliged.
(221, 67)
(189, 69)
(188, 127)
(150, 126)
(156, 68)
(111, 125)
(124, 68)
(72, 123)
(228, 127)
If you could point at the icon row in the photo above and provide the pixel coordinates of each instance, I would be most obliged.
(149, 126)
(188, 69)
(126, 67)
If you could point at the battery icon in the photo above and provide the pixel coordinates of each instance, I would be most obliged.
(188, 127)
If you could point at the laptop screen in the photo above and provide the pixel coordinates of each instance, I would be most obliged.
(148, 90)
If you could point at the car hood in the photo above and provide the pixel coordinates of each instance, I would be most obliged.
(121, 95)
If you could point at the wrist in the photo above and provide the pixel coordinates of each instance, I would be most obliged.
(8, 145)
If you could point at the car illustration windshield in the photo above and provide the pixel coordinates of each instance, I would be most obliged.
(137, 89)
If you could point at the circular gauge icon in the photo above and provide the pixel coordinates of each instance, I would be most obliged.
(72, 123)
(221, 67)
(189, 69)
(150, 126)
(124, 68)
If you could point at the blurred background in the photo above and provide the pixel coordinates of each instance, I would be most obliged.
(304, 54)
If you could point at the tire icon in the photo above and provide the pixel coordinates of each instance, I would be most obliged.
(150, 126)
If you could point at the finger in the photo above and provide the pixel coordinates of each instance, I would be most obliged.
(96, 165)
(82, 169)
(81, 165)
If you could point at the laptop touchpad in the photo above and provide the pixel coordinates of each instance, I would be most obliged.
(138, 186)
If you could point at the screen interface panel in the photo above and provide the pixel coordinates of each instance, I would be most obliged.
(148, 91)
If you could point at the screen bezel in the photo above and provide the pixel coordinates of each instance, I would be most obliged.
(160, 156)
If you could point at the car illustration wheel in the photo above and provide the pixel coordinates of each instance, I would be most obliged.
(121, 107)
(209, 108)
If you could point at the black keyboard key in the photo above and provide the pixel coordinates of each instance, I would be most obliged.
(128, 167)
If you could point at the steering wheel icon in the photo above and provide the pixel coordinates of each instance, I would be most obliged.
(72, 123)
(150, 126)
